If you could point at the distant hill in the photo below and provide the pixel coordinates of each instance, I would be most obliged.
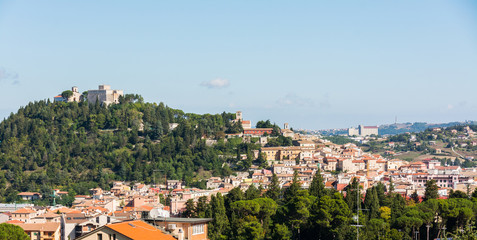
(393, 129)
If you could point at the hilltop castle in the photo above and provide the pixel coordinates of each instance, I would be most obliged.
(104, 94)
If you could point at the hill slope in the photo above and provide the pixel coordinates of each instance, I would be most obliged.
(76, 146)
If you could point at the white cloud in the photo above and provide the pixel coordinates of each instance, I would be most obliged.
(216, 83)
(6, 74)
(292, 99)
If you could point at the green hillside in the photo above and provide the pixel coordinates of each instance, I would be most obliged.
(76, 146)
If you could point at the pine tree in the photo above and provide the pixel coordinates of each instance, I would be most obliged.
(293, 189)
(274, 189)
(317, 187)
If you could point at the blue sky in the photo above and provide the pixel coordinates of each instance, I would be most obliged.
(314, 64)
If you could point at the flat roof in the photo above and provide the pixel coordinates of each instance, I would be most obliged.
(177, 219)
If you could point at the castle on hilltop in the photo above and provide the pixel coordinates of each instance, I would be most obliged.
(104, 94)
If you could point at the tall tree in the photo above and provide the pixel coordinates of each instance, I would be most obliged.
(353, 194)
(274, 190)
(371, 203)
(432, 190)
(189, 208)
(292, 190)
(220, 223)
(252, 192)
(317, 186)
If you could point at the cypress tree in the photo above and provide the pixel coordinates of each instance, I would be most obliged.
(274, 189)
(317, 187)
(220, 223)
(293, 189)
(432, 190)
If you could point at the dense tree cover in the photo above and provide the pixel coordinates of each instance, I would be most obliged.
(267, 124)
(10, 231)
(78, 146)
(320, 213)
(279, 141)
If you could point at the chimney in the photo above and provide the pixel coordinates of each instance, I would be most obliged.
(180, 235)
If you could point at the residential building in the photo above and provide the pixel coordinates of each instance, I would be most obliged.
(24, 214)
(129, 230)
(184, 228)
(29, 196)
(257, 131)
(41, 231)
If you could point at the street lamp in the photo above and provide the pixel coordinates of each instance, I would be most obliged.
(428, 226)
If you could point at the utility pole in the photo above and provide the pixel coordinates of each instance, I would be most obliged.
(358, 206)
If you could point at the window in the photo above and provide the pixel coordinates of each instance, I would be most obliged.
(198, 229)
(100, 236)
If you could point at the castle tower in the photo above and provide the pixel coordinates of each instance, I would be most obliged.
(74, 89)
(285, 126)
(238, 115)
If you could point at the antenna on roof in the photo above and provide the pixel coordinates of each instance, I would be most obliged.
(154, 213)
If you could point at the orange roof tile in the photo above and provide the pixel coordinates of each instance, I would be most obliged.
(25, 210)
(139, 230)
(15, 221)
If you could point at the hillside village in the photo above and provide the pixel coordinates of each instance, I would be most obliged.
(309, 155)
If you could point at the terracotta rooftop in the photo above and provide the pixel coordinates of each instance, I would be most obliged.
(45, 227)
(139, 230)
(25, 210)
(28, 193)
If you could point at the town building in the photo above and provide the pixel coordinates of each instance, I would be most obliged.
(128, 230)
(29, 196)
(41, 231)
(184, 228)
(75, 97)
(363, 131)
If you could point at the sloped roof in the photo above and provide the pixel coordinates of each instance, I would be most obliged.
(25, 210)
(46, 227)
(139, 230)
